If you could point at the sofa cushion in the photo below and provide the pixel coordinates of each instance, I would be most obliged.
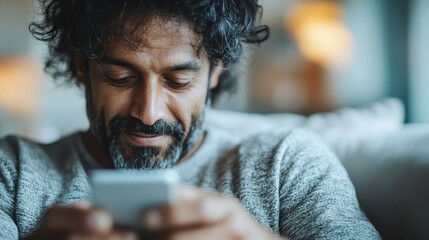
(341, 129)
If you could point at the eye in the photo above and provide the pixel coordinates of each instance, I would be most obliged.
(178, 84)
(120, 82)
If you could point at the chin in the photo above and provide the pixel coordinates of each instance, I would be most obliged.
(126, 156)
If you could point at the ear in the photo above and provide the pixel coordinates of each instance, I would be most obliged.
(79, 64)
(214, 77)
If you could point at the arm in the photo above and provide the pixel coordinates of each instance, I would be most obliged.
(324, 201)
(59, 222)
(8, 228)
(78, 221)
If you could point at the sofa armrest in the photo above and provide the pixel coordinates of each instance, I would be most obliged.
(391, 176)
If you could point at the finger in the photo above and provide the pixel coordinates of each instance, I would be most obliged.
(76, 219)
(235, 226)
(208, 233)
(211, 232)
(194, 207)
(114, 235)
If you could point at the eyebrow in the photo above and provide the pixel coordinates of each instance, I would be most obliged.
(112, 60)
(186, 66)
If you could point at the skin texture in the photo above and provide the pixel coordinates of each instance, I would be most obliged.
(148, 93)
(165, 79)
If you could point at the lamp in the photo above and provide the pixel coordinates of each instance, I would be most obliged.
(19, 86)
(319, 32)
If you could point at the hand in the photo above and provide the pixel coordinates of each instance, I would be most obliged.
(200, 215)
(78, 222)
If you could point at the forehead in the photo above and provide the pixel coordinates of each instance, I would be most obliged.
(160, 36)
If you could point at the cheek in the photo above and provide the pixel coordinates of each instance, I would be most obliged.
(113, 102)
(188, 105)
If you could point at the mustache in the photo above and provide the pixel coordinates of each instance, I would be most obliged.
(131, 124)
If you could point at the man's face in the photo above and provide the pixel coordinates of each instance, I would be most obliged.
(146, 106)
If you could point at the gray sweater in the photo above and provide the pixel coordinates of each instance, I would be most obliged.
(289, 182)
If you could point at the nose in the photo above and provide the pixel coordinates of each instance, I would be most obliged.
(148, 101)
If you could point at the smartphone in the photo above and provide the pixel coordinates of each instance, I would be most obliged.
(127, 194)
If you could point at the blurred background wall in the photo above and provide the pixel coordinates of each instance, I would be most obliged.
(321, 55)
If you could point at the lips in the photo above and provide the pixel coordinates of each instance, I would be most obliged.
(145, 140)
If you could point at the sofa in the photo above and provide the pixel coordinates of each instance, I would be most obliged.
(387, 160)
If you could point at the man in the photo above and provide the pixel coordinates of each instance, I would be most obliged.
(149, 70)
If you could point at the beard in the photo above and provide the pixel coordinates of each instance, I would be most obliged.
(127, 156)
(132, 157)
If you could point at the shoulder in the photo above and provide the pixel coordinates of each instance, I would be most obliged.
(18, 155)
(282, 159)
(297, 157)
(286, 148)
(16, 149)
(294, 161)
(12, 149)
(13, 152)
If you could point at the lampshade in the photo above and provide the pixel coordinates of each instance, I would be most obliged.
(321, 36)
(19, 86)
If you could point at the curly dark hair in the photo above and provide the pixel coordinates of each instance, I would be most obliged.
(82, 26)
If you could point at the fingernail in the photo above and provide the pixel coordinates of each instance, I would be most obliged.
(153, 219)
(99, 221)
